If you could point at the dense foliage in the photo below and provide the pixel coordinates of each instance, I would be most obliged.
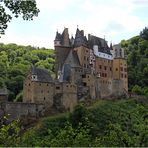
(15, 63)
(120, 124)
(137, 58)
(26, 8)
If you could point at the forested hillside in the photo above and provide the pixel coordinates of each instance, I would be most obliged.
(15, 63)
(120, 123)
(136, 50)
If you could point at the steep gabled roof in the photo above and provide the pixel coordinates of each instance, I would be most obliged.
(80, 39)
(58, 36)
(101, 43)
(72, 59)
(42, 74)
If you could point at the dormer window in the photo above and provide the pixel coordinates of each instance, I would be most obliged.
(34, 77)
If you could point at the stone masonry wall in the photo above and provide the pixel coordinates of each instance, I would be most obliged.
(17, 110)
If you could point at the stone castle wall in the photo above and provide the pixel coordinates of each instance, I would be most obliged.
(18, 110)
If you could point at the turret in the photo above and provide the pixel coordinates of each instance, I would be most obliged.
(80, 39)
(65, 38)
(62, 47)
(118, 52)
(57, 41)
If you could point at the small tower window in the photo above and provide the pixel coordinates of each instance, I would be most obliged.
(34, 77)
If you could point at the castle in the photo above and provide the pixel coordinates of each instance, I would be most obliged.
(85, 68)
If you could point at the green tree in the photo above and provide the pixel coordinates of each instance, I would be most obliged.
(9, 133)
(27, 8)
(144, 33)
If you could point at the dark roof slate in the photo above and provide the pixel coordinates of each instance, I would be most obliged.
(80, 39)
(42, 74)
(58, 36)
(72, 59)
(102, 44)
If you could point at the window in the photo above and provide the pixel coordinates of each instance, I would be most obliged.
(104, 67)
(125, 76)
(84, 84)
(122, 75)
(116, 69)
(125, 69)
(84, 57)
(29, 84)
(83, 76)
(44, 98)
(47, 84)
(110, 69)
(100, 66)
(57, 87)
(121, 68)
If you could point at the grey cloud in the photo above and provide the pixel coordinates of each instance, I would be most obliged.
(114, 26)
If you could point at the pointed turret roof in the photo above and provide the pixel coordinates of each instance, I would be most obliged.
(80, 39)
(58, 36)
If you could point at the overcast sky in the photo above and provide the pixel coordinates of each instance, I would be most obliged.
(114, 19)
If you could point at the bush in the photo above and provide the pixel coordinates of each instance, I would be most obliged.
(137, 89)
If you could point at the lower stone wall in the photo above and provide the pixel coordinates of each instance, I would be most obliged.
(117, 88)
(18, 110)
(105, 86)
(69, 100)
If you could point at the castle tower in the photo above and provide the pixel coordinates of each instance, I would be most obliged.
(120, 66)
(62, 47)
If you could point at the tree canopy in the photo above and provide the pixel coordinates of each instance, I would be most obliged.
(120, 123)
(16, 60)
(136, 50)
(25, 8)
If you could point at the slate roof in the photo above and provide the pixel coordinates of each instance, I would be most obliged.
(72, 59)
(42, 74)
(80, 39)
(60, 37)
(102, 44)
